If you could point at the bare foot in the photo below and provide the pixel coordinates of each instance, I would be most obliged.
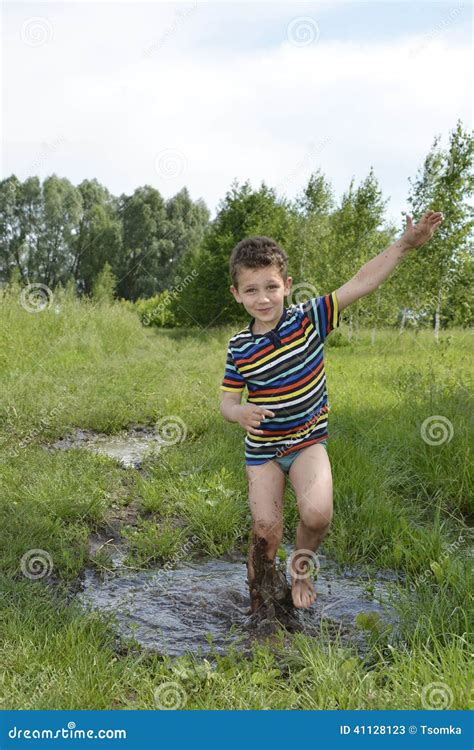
(303, 592)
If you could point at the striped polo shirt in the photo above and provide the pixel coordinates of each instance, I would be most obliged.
(283, 370)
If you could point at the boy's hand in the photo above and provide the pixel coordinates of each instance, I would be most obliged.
(417, 234)
(250, 416)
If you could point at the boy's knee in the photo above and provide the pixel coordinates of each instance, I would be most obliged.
(316, 522)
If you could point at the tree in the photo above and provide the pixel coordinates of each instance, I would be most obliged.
(459, 309)
(357, 235)
(187, 225)
(20, 220)
(104, 285)
(443, 184)
(205, 298)
(311, 257)
(145, 243)
(56, 232)
(61, 209)
(98, 237)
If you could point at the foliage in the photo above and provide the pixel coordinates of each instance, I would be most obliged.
(206, 299)
(157, 310)
(400, 502)
(104, 285)
(169, 258)
(55, 231)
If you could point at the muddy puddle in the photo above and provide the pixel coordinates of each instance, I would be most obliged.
(203, 607)
(129, 447)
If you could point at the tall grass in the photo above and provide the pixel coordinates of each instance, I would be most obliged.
(400, 502)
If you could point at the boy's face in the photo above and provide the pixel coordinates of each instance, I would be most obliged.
(262, 292)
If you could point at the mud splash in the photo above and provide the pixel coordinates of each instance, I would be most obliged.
(129, 447)
(202, 607)
(270, 593)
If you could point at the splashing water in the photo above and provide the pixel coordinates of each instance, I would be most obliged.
(204, 606)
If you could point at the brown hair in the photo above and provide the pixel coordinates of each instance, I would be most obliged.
(257, 252)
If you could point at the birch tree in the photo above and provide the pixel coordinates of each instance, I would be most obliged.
(445, 184)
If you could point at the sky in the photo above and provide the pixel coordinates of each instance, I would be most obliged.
(201, 94)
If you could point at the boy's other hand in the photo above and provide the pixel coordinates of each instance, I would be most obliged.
(250, 416)
(417, 234)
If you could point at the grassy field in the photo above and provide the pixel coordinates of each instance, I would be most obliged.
(400, 448)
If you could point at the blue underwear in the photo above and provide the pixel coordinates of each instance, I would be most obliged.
(286, 461)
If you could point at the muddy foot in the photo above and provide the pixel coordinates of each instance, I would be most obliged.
(303, 592)
(281, 589)
(270, 594)
(256, 602)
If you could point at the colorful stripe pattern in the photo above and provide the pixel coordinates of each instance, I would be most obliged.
(283, 371)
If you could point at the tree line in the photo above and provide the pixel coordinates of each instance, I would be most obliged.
(170, 259)
(55, 232)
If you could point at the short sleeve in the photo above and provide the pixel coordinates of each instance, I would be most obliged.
(233, 381)
(324, 313)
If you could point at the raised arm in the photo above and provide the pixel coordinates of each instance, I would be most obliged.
(376, 270)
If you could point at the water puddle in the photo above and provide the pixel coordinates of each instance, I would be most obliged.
(202, 607)
(128, 447)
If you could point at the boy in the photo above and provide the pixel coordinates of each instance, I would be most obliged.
(279, 357)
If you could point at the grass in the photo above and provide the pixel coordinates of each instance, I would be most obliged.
(401, 501)
(151, 542)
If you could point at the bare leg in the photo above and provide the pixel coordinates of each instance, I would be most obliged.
(266, 490)
(310, 475)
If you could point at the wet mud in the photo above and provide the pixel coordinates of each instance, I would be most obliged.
(129, 447)
(270, 594)
(202, 607)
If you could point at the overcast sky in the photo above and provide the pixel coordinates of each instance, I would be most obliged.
(199, 94)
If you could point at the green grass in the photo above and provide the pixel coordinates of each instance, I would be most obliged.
(151, 541)
(55, 657)
(399, 502)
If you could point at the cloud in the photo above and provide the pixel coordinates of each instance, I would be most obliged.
(116, 91)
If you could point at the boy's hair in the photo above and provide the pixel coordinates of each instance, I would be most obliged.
(257, 252)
